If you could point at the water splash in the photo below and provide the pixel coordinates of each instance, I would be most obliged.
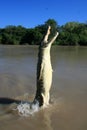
(26, 109)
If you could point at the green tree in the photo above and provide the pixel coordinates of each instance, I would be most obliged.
(6, 39)
(43, 28)
(0, 36)
(54, 26)
(31, 37)
(12, 34)
(69, 35)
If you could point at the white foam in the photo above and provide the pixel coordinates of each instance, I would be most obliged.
(26, 109)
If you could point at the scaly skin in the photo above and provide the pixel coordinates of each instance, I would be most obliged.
(44, 70)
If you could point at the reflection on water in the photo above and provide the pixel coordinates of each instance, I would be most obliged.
(68, 109)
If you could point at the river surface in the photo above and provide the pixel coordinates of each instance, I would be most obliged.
(68, 107)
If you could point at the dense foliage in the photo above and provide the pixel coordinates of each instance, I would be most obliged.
(72, 33)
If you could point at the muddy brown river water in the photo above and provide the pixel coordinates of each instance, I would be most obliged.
(68, 108)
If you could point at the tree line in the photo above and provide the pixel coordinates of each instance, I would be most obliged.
(72, 33)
